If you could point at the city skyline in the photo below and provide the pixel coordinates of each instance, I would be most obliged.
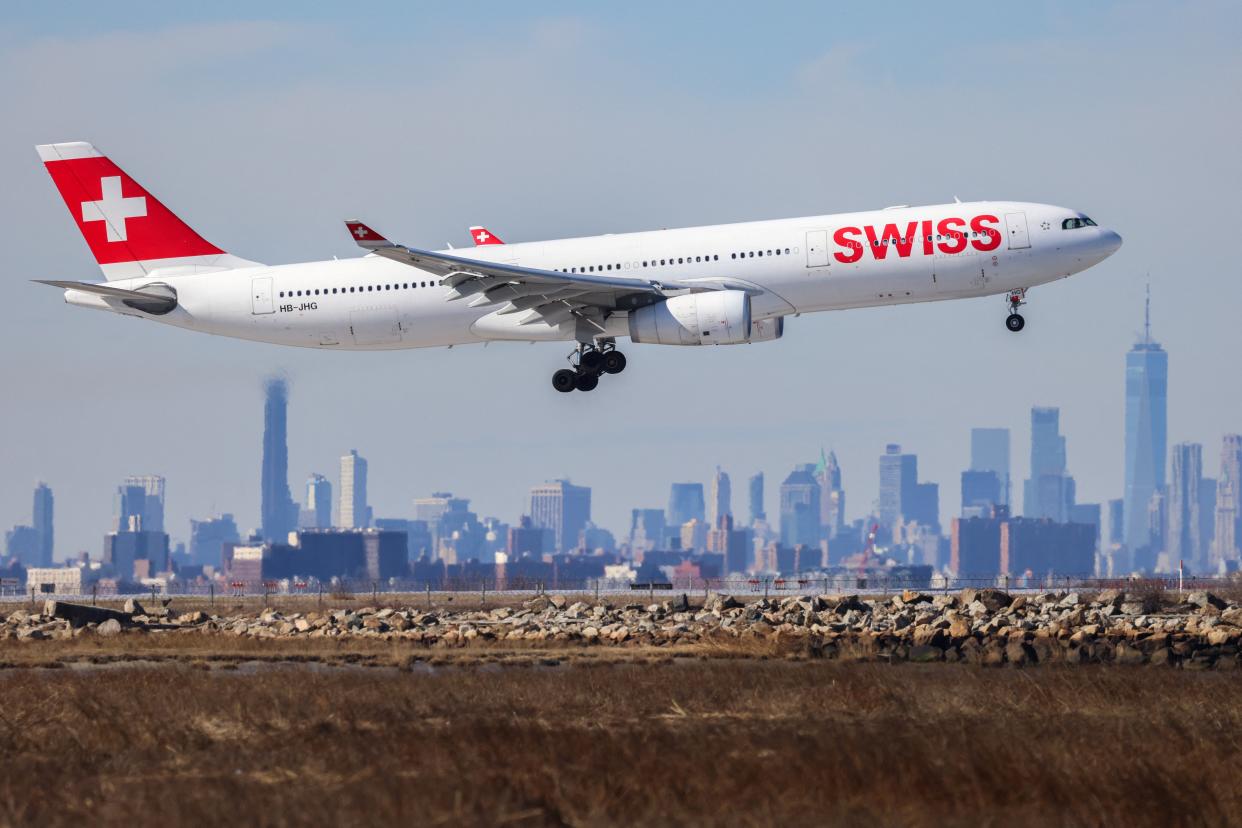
(845, 77)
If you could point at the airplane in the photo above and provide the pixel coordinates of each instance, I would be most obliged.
(725, 284)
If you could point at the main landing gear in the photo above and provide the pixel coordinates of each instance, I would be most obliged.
(1017, 298)
(589, 362)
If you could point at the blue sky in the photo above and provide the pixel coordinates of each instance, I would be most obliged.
(265, 127)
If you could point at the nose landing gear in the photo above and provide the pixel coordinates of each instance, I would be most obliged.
(1015, 321)
(590, 361)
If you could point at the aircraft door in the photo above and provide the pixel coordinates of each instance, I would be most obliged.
(1015, 223)
(816, 248)
(261, 295)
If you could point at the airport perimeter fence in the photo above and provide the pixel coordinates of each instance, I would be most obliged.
(511, 589)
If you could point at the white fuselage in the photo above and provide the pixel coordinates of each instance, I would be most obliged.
(790, 266)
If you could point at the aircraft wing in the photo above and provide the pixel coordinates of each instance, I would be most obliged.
(550, 296)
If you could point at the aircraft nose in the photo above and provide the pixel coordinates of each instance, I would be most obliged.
(1111, 242)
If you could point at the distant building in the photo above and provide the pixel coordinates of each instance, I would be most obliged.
(1049, 491)
(22, 544)
(44, 523)
(981, 490)
(33, 545)
(1182, 543)
(124, 550)
(139, 504)
(694, 535)
(685, 503)
(278, 512)
(755, 492)
(1146, 432)
(562, 507)
(358, 554)
(318, 502)
(62, 580)
(647, 529)
(800, 505)
(831, 495)
(989, 452)
(1227, 540)
(208, 538)
(721, 501)
(899, 475)
(354, 512)
(526, 540)
(1019, 547)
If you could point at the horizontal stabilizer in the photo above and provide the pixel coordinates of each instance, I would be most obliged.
(144, 300)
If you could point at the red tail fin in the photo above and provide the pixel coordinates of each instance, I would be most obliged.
(129, 231)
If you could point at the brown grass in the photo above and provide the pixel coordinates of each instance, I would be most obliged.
(678, 741)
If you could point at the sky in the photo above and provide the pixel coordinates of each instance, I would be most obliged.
(264, 125)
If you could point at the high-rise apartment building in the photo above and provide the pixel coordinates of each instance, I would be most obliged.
(278, 513)
(563, 508)
(354, 513)
(1146, 436)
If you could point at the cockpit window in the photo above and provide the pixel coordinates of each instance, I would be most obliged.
(1075, 223)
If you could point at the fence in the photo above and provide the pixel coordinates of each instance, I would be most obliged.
(738, 585)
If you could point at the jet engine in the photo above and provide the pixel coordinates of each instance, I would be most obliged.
(718, 317)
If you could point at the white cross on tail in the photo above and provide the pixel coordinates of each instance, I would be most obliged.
(113, 208)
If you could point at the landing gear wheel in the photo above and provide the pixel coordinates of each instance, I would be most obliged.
(586, 382)
(1015, 322)
(614, 362)
(591, 361)
(565, 380)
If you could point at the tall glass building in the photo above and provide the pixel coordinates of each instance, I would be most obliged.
(1147, 388)
(278, 513)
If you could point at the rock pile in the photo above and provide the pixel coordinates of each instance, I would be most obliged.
(988, 626)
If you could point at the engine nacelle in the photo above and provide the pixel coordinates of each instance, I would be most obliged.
(718, 317)
(765, 330)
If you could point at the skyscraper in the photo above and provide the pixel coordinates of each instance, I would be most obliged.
(800, 502)
(1049, 492)
(44, 505)
(755, 487)
(1147, 383)
(1228, 494)
(319, 501)
(278, 513)
(981, 490)
(354, 512)
(1182, 524)
(831, 495)
(563, 508)
(989, 452)
(722, 498)
(685, 503)
(899, 477)
(208, 538)
(139, 504)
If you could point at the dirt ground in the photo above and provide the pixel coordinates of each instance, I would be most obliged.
(252, 732)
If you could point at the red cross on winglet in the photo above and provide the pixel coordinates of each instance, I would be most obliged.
(364, 236)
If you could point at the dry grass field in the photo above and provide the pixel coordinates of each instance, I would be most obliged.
(652, 740)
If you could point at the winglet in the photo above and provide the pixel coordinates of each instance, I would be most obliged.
(364, 236)
(482, 236)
